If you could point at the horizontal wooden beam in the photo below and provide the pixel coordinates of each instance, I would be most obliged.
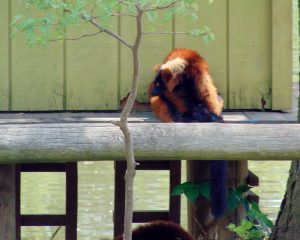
(64, 142)
(43, 220)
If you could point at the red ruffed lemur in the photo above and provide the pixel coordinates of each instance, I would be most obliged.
(159, 230)
(183, 91)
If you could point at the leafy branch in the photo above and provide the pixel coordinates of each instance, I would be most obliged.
(255, 225)
(60, 15)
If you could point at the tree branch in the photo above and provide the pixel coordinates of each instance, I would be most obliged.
(118, 14)
(128, 3)
(171, 5)
(76, 38)
(172, 33)
(103, 29)
(93, 8)
(123, 14)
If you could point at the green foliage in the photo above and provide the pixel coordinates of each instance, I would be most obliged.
(237, 197)
(255, 226)
(55, 16)
(192, 191)
(247, 231)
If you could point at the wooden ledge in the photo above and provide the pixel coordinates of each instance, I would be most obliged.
(66, 142)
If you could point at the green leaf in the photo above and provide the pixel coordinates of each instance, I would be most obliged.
(190, 190)
(233, 201)
(243, 188)
(192, 193)
(152, 16)
(204, 190)
(208, 38)
(178, 190)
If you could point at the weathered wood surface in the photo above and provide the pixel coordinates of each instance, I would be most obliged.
(20, 143)
(7, 202)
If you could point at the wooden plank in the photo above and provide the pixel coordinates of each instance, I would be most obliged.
(7, 202)
(71, 200)
(102, 141)
(148, 216)
(119, 198)
(42, 167)
(282, 63)
(250, 55)
(214, 16)
(37, 73)
(18, 200)
(252, 179)
(43, 220)
(154, 49)
(174, 201)
(91, 70)
(4, 55)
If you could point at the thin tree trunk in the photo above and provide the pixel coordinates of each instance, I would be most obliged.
(131, 163)
(288, 221)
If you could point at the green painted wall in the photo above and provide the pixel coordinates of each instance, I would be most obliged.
(251, 58)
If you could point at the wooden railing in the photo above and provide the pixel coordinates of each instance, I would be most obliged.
(64, 142)
(69, 142)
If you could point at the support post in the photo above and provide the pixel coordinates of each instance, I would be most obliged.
(200, 220)
(7, 202)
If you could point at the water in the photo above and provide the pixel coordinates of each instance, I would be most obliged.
(45, 193)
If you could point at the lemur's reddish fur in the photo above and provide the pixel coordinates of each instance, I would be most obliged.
(183, 91)
(196, 70)
(159, 230)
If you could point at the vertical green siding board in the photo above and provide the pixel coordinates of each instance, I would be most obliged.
(4, 55)
(214, 16)
(37, 73)
(154, 48)
(92, 70)
(250, 53)
(250, 58)
(227, 102)
(282, 54)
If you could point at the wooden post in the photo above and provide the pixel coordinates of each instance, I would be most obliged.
(200, 220)
(7, 202)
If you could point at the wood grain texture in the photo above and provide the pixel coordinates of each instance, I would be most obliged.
(250, 58)
(7, 202)
(282, 62)
(4, 56)
(91, 70)
(250, 55)
(37, 73)
(153, 141)
(153, 50)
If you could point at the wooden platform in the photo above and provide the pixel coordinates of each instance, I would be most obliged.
(21, 132)
(137, 117)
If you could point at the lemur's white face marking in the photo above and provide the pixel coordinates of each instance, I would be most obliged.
(176, 66)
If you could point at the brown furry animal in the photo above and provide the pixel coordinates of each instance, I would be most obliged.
(159, 230)
(183, 90)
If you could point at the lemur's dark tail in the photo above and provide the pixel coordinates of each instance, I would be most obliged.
(218, 187)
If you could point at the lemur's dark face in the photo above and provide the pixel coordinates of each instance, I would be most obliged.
(159, 85)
